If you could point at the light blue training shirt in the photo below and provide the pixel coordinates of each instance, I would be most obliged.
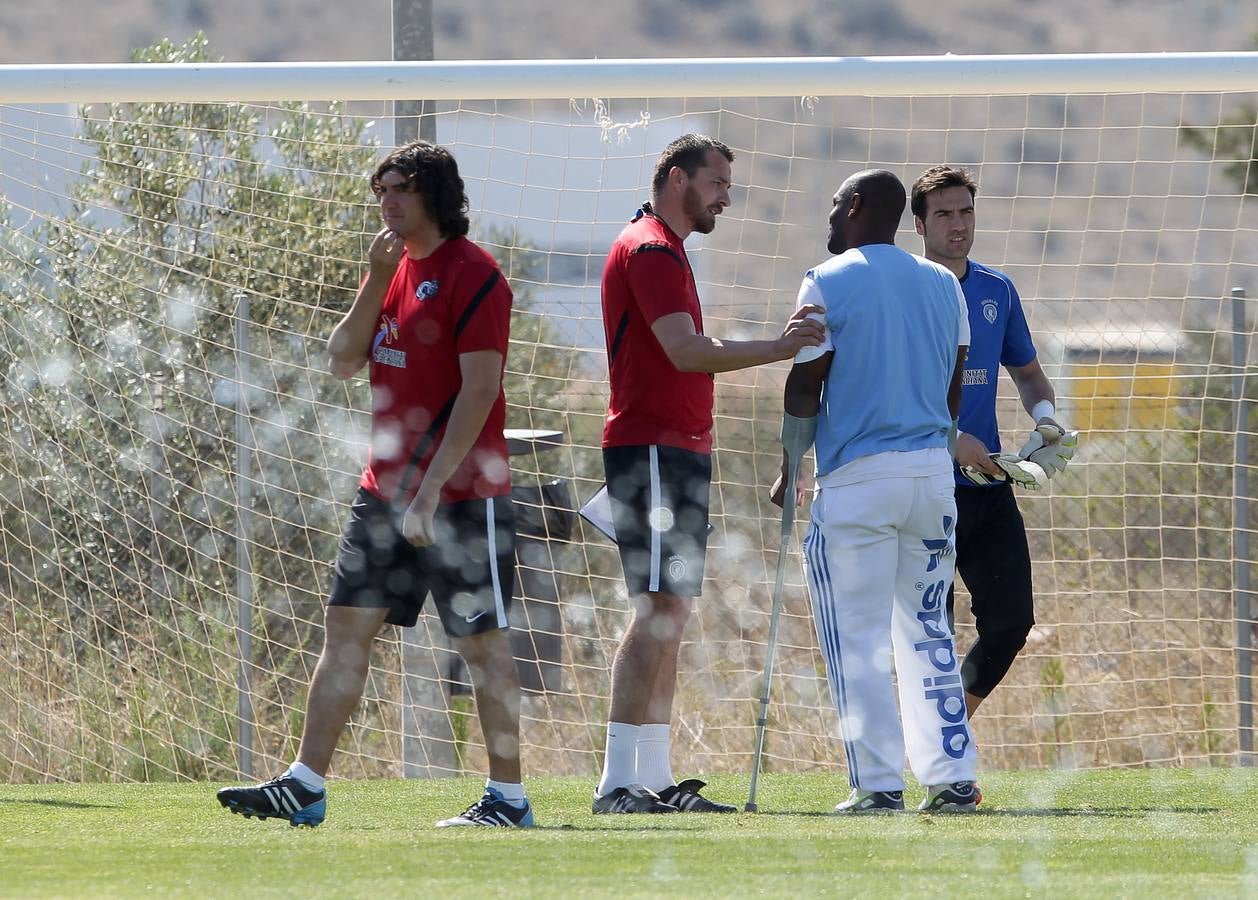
(894, 321)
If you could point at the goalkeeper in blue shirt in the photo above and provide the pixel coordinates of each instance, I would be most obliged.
(992, 555)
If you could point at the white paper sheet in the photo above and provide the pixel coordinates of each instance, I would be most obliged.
(598, 512)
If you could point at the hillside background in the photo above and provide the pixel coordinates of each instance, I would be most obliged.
(276, 30)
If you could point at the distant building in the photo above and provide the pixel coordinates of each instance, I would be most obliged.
(1118, 379)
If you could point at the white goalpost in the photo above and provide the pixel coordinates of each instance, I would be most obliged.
(177, 238)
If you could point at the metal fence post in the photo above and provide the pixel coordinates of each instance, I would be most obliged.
(244, 557)
(1240, 532)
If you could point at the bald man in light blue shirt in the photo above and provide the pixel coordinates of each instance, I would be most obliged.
(884, 389)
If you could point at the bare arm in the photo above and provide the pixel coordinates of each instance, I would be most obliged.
(970, 451)
(1033, 385)
(802, 399)
(693, 352)
(482, 378)
(954, 386)
(481, 371)
(802, 395)
(350, 341)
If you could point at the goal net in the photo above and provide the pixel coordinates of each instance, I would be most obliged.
(176, 462)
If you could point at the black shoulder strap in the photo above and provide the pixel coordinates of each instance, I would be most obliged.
(422, 447)
(475, 302)
(662, 248)
(618, 336)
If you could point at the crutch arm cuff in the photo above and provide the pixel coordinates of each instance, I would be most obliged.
(797, 434)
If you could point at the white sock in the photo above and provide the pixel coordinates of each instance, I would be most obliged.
(306, 775)
(512, 791)
(620, 764)
(654, 770)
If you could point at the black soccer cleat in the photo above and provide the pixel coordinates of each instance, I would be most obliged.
(632, 799)
(281, 798)
(492, 811)
(685, 797)
(860, 801)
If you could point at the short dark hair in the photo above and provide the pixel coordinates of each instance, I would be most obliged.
(431, 172)
(883, 193)
(690, 152)
(935, 178)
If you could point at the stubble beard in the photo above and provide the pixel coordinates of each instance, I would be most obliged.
(951, 251)
(701, 218)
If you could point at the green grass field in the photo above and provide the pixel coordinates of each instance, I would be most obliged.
(1133, 833)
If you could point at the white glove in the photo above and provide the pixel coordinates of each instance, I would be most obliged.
(982, 479)
(1023, 473)
(1050, 448)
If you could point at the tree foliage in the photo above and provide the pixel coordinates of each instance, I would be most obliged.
(120, 351)
(1234, 140)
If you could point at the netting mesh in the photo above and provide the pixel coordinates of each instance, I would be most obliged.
(174, 450)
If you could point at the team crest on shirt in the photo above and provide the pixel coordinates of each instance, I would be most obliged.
(427, 289)
(990, 311)
(676, 568)
(387, 333)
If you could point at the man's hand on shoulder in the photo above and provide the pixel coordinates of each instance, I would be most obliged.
(800, 332)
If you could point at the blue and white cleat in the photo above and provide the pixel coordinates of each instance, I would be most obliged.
(493, 811)
(860, 801)
(960, 796)
(281, 798)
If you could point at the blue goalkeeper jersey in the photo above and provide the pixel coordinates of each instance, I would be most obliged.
(999, 336)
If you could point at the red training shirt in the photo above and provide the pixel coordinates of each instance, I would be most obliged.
(647, 275)
(454, 301)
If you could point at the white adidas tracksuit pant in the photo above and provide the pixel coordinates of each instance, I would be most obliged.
(880, 557)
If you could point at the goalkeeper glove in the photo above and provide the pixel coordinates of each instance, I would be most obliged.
(1023, 473)
(1050, 447)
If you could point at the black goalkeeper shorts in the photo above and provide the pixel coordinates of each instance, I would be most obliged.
(993, 559)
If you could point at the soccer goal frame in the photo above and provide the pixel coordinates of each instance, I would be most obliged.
(1169, 394)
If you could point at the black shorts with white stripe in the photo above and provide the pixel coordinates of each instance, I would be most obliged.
(378, 568)
(659, 500)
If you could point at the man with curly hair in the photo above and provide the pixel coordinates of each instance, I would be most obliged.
(433, 511)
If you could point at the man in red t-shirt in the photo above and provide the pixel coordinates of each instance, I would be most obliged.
(657, 447)
(433, 511)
